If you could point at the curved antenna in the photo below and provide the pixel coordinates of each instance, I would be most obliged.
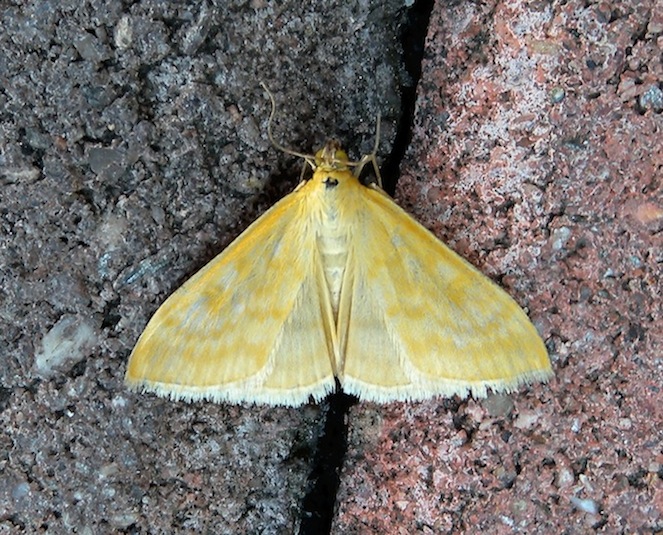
(372, 157)
(309, 158)
(376, 146)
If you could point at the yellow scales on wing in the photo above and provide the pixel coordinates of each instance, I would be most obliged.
(336, 281)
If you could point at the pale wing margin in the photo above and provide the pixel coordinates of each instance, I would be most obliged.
(421, 321)
(253, 325)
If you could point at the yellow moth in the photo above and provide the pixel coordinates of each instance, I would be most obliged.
(336, 281)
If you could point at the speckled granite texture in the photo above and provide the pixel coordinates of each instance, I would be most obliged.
(133, 148)
(537, 154)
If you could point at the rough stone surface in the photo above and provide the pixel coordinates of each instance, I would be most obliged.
(133, 148)
(537, 154)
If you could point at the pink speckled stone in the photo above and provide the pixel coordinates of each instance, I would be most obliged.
(537, 155)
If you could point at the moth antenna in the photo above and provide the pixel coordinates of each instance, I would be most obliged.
(307, 157)
(372, 157)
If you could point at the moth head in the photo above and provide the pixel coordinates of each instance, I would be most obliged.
(332, 156)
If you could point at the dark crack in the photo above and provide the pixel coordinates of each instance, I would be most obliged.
(319, 504)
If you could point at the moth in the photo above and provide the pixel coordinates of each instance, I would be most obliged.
(336, 282)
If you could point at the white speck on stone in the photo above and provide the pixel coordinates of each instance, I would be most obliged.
(507, 520)
(564, 477)
(526, 420)
(585, 505)
(560, 238)
(652, 98)
(68, 342)
(123, 33)
(119, 402)
(123, 520)
(625, 424)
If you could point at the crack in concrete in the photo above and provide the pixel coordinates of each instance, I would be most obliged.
(319, 504)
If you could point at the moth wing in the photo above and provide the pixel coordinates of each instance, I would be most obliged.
(417, 320)
(255, 324)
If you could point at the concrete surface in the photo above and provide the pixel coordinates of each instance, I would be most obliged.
(538, 155)
(133, 148)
